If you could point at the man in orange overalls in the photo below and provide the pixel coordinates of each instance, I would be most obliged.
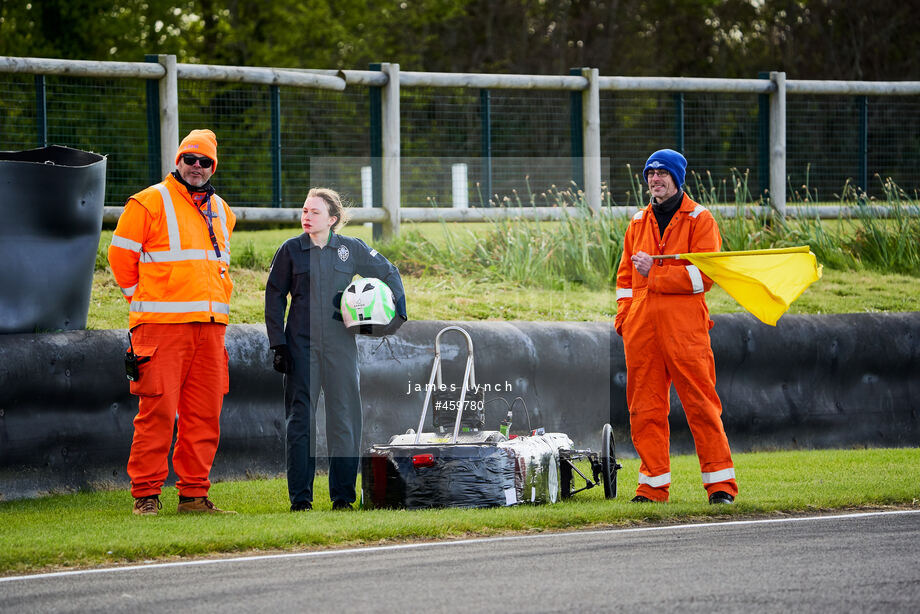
(170, 255)
(664, 321)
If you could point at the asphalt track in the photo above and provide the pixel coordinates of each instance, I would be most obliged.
(836, 563)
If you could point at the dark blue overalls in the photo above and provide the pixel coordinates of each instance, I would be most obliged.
(324, 353)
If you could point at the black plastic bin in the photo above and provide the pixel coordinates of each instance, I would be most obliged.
(51, 204)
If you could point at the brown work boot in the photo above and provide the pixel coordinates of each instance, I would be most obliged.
(200, 505)
(147, 506)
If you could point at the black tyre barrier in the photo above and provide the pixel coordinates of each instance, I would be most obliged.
(813, 381)
(51, 204)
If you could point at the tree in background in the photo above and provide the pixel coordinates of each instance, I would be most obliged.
(93, 29)
(830, 39)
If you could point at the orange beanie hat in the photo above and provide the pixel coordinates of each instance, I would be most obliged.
(201, 142)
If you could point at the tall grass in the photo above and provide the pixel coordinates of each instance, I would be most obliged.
(891, 244)
(584, 248)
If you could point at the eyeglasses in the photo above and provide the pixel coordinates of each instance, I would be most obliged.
(658, 172)
(203, 161)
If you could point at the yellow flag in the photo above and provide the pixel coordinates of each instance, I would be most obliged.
(763, 281)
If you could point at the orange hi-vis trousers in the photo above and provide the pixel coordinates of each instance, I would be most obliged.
(185, 380)
(661, 351)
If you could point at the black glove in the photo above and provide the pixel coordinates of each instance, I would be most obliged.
(395, 323)
(282, 363)
(391, 328)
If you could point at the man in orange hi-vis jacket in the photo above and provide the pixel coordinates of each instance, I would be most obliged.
(664, 321)
(170, 254)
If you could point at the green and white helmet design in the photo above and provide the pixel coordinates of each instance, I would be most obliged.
(367, 300)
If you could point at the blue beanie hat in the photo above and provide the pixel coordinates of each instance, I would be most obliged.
(669, 160)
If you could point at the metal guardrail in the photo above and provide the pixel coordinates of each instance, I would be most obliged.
(330, 79)
(81, 68)
(854, 88)
(389, 79)
(262, 76)
(687, 84)
(486, 81)
(266, 216)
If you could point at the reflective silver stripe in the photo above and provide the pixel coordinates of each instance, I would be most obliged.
(124, 243)
(655, 481)
(696, 278)
(169, 306)
(183, 254)
(719, 476)
(697, 210)
(172, 223)
(177, 306)
(222, 213)
(624, 293)
(129, 291)
(638, 215)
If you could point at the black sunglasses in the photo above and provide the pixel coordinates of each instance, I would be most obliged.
(203, 161)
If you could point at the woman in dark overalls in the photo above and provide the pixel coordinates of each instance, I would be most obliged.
(315, 351)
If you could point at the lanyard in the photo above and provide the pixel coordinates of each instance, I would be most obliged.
(208, 218)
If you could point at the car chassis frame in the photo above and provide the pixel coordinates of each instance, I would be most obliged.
(474, 467)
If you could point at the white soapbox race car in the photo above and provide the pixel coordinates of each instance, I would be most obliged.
(460, 464)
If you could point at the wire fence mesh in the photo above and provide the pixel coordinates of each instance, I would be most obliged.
(107, 116)
(18, 113)
(822, 139)
(721, 142)
(717, 133)
(894, 142)
(528, 140)
(632, 127)
(240, 116)
(513, 144)
(322, 124)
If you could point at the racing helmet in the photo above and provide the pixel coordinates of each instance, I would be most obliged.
(366, 301)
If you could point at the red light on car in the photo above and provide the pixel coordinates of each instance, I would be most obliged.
(423, 460)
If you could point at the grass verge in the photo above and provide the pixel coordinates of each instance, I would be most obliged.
(98, 528)
(484, 295)
(462, 298)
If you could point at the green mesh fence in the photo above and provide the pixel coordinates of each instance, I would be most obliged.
(822, 136)
(240, 116)
(721, 143)
(319, 127)
(18, 122)
(823, 144)
(717, 133)
(107, 116)
(440, 122)
(442, 127)
(325, 139)
(439, 127)
(632, 127)
(313, 124)
(894, 143)
(532, 143)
